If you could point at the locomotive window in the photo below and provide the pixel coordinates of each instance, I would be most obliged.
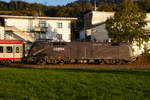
(9, 49)
(17, 49)
(59, 43)
(1, 49)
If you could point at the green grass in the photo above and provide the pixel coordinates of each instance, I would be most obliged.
(67, 84)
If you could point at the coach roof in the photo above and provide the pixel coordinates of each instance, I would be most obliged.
(11, 41)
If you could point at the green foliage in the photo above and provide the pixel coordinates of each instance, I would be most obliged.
(144, 4)
(144, 58)
(63, 84)
(146, 50)
(106, 7)
(127, 24)
(106, 1)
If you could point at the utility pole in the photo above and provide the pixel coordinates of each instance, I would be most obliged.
(95, 5)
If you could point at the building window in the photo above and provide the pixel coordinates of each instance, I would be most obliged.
(59, 25)
(69, 25)
(9, 49)
(42, 23)
(1, 49)
(59, 36)
(6, 23)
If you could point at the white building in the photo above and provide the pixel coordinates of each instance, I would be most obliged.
(30, 28)
(94, 26)
(2, 33)
(94, 22)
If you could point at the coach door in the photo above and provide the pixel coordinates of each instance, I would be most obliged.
(9, 52)
(17, 52)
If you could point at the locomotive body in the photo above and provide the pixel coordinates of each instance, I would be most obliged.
(44, 51)
(11, 51)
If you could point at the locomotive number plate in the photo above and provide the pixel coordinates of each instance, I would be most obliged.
(58, 49)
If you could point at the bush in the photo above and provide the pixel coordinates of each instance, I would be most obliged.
(144, 58)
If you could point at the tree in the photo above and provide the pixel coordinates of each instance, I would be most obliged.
(144, 4)
(127, 24)
(105, 7)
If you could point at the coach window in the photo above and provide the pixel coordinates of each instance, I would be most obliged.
(9, 49)
(17, 49)
(1, 49)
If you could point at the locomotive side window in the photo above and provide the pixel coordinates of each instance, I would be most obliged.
(17, 49)
(1, 49)
(9, 49)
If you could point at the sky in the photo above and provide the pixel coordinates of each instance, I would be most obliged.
(48, 2)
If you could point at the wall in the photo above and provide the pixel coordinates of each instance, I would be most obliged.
(27, 24)
(99, 34)
(65, 30)
(100, 17)
(1, 33)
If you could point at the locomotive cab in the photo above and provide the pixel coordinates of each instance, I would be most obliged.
(46, 52)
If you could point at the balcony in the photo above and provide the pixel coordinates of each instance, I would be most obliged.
(40, 29)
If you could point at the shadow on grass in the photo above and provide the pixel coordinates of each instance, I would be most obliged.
(17, 66)
(112, 71)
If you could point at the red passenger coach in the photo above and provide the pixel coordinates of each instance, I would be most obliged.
(11, 51)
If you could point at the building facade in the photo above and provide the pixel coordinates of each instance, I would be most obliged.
(94, 26)
(30, 28)
(1, 33)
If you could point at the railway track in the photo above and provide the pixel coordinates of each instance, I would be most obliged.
(83, 66)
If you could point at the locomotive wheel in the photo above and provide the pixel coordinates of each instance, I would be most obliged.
(41, 62)
(28, 60)
(113, 61)
(55, 62)
(97, 61)
(73, 61)
(61, 62)
(91, 61)
(106, 61)
(118, 62)
(102, 62)
(123, 62)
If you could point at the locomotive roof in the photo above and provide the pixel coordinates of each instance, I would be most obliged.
(11, 42)
(62, 43)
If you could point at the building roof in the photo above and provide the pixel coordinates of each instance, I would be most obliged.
(37, 17)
